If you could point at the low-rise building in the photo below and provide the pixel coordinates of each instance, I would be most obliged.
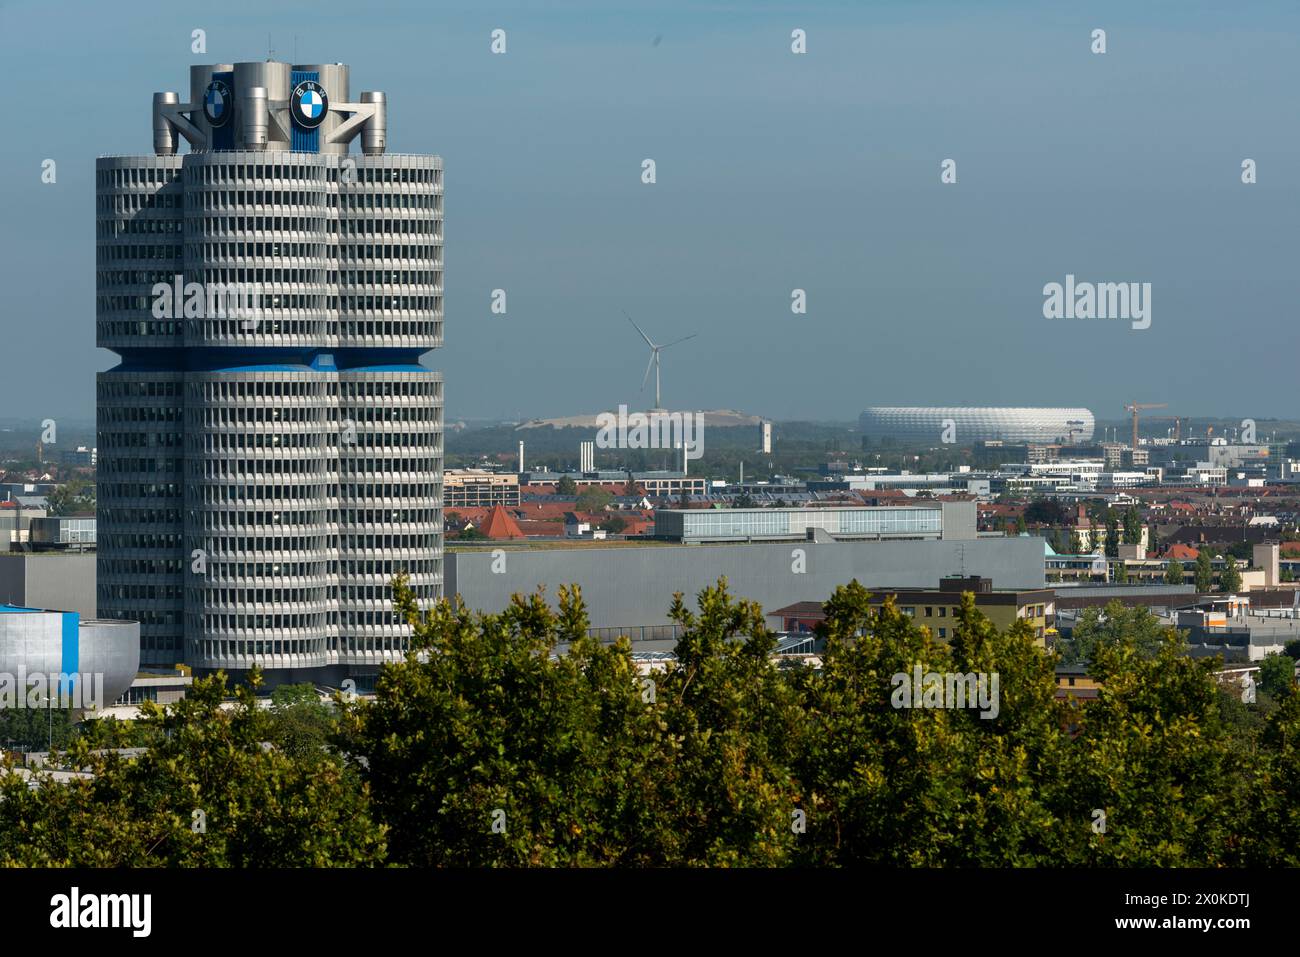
(475, 488)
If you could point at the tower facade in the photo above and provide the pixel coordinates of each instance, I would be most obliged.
(270, 444)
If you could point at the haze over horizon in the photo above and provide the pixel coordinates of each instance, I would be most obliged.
(774, 171)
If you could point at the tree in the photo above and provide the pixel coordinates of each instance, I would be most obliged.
(208, 792)
(1230, 578)
(1277, 675)
(1099, 627)
(1204, 571)
(1121, 573)
(743, 501)
(1174, 572)
(301, 724)
(1292, 649)
(1132, 526)
(593, 498)
(566, 486)
(1286, 575)
(614, 524)
(1112, 536)
(1076, 544)
(73, 496)
(1021, 528)
(1046, 511)
(471, 534)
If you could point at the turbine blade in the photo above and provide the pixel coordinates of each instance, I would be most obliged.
(650, 365)
(638, 329)
(682, 339)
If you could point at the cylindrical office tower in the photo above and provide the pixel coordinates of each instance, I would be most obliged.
(272, 443)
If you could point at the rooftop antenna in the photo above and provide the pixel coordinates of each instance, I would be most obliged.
(270, 51)
(654, 357)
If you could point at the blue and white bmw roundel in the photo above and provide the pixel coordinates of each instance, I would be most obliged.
(217, 103)
(309, 104)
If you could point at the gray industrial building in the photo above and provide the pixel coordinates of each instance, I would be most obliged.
(49, 580)
(938, 520)
(630, 589)
(79, 663)
(262, 475)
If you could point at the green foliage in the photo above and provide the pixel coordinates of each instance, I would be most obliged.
(1112, 536)
(301, 724)
(566, 486)
(593, 498)
(1174, 573)
(1230, 578)
(614, 524)
(1204, 571)
(1132, 526)
(1046, 511)
(515, 739)
(30, 729)
(1114, 624)
(1277, 676)
(75, 495)
(260, 807)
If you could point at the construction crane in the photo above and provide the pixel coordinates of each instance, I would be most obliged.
(1175, 419)
(1134, 407)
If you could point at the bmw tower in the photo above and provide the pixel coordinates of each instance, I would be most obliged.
(265, 472)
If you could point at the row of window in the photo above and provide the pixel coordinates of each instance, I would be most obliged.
(140, 413)
(130, 466)
(111, 490)
(227, 199)
(137, 176)
(216, 171)
(117, 515)
(122, 204)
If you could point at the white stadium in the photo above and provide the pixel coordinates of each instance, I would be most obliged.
(964, 426)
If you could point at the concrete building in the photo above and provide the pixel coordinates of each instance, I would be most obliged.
(968, 425)
(936, 608)
(264, 472)
(72, 533)
(478, 488)
(16, 524)
(655, 482)
(628, 589)
(80, 457)
(946, 520)
(50, 580)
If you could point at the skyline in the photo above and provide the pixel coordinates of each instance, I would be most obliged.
(1129, 161)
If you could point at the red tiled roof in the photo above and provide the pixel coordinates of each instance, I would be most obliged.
(1182, 553)
(499, 524)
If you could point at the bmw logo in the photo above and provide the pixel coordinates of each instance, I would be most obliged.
(217, 103)
(309, 103)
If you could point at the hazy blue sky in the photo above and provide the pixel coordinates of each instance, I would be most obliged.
(775, 171)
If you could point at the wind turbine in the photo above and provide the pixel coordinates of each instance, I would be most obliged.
(654, 357)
